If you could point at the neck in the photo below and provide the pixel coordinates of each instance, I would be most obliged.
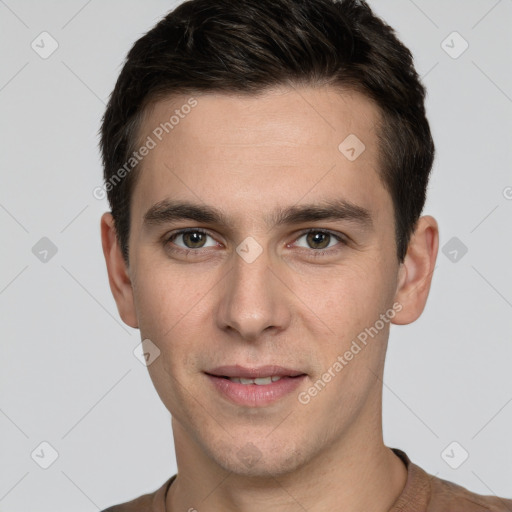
(358, 471)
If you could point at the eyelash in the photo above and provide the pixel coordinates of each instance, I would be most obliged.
(318, 253)
(181, 250)
(311, 252)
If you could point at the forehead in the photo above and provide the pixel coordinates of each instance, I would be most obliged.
(256, 152)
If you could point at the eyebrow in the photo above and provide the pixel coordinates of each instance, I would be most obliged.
(167, 211)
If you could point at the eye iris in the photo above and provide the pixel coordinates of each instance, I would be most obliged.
(318, 240)
(194, 239)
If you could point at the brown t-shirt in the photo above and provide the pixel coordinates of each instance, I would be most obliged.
(422, 493)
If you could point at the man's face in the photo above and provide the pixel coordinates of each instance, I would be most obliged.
(285, 297)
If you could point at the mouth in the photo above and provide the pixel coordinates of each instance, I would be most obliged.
(252, 375)
(254, 387)
(261, 381)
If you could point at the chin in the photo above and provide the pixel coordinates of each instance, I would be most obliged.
(260, 460)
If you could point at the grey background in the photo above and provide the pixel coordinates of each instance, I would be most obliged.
(68, 375)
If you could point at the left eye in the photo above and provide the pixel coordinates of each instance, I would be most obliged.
(318, 240)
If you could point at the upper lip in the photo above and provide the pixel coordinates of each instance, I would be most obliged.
(253, 373)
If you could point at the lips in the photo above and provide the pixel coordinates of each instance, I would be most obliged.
(242, 372)
(258, 391)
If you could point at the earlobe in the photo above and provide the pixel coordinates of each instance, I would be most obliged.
(415, 274)
(119, 280)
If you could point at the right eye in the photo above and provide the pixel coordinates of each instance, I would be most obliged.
(190, 238)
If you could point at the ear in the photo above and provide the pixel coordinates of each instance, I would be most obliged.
(415, 273)
(118, 276)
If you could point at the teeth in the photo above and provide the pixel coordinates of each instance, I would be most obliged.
(261, 381)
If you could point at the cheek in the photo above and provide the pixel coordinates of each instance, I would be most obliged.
(174, 311)
(347, 297)
(166, 297)
(172, 315)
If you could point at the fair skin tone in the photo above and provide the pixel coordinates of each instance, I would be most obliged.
(299, 304)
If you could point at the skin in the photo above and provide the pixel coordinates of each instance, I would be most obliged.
(248, 156)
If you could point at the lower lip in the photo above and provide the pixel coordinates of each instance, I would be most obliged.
(253, 395)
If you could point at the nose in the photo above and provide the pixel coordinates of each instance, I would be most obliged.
(254, 299)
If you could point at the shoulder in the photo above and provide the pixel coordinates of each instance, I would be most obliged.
(151, 502)
(451, 497)
(424, 492)
(140, 504)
